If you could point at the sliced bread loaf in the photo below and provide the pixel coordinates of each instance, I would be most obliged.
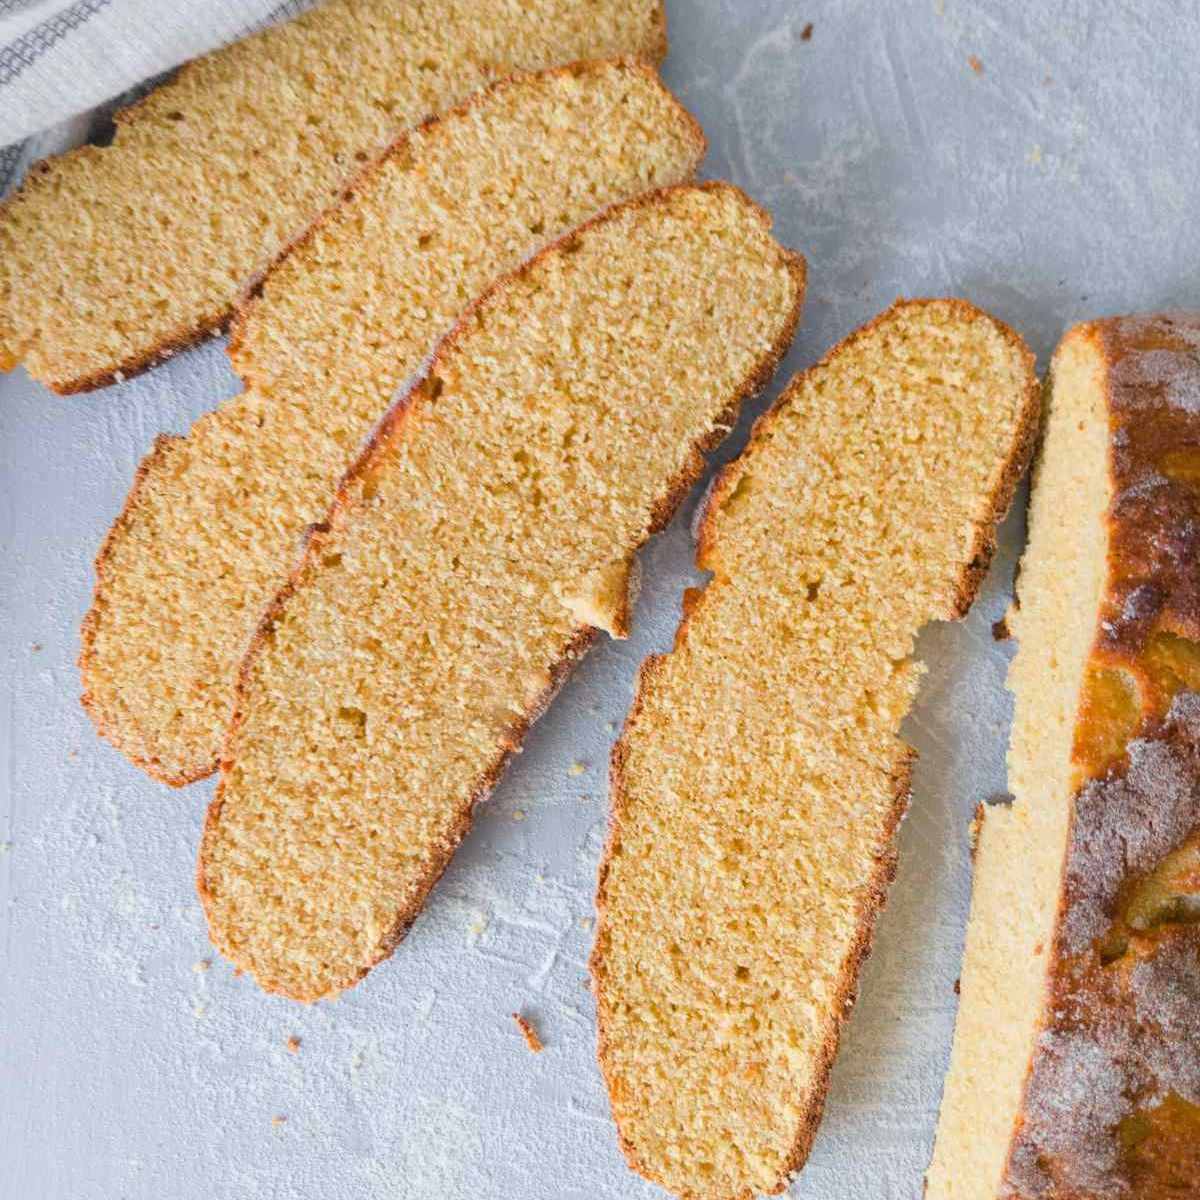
(471, 554)
(759, 780)
(113, 257)
(1076, 1062)
(210, 529)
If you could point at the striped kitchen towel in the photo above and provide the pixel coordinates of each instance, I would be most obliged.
(61, 59)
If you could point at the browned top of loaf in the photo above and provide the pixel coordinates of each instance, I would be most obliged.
(111, 258)
(1112, 1103)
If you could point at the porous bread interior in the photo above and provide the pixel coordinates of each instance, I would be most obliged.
(1021, 848)
(760, 777)
(211, 529)
(111, 255)
(557, 429)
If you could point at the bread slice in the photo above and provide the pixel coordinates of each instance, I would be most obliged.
(759, 780)
(210, 530)
(112, 258)
(468, 560)
(1076, 1062)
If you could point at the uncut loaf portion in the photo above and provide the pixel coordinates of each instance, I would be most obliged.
(472, 552)
(1075, 1073)
(210, 530)
(113, 257)
(759, 780)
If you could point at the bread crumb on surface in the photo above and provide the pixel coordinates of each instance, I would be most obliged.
(202, 966)
(576, 769)
(35, 647)
(518, 814)
(278, 1120)
(807, 32)
(293, 1044)
(528, 1033)
(975, 64)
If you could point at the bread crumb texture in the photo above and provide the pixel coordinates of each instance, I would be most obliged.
(1076, 1073)
(558, 427)
(112, 257)
(532, 1040)
(211, 527)
(760, 779)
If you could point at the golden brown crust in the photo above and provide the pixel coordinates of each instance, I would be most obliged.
(184, 338)
(217, 320)
(876, 890)
(244, 313)
(391, 428)
(1111, 1101)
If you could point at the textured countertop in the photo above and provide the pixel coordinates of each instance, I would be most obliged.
(1040, 160)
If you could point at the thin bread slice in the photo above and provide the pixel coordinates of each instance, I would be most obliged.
(1076, 1062)
(472, 553)
(114, 257)
(760, 778)
(211, 527)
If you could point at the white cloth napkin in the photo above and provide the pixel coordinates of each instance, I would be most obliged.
(61, 58)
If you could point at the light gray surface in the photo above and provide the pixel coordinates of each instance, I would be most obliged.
(1056, 182)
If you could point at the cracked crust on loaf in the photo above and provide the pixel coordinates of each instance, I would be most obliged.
(1089, 1087)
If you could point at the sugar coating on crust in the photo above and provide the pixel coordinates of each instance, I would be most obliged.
(1112, 1104)
(1123, 1032)
(1074, 1071)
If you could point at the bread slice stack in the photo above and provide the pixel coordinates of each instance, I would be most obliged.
(470, 556)
(211, 527)
(759, 780)
(1076, 1062)
(111, 258)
